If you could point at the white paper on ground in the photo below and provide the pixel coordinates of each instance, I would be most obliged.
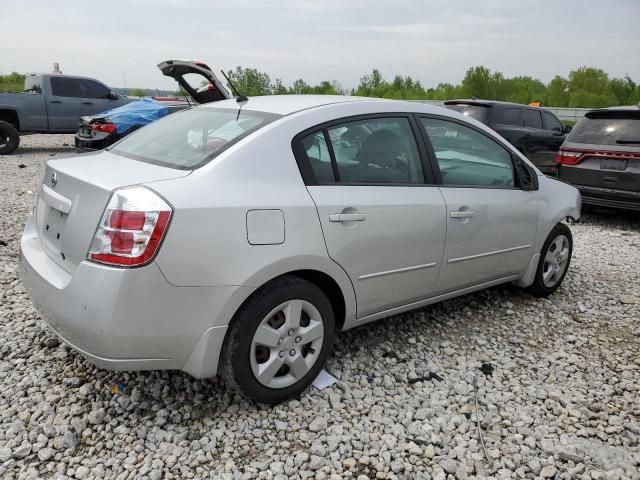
(324, 380)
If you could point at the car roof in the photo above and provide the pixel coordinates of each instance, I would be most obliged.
(486, 103)
(288, 104)
(621, 108)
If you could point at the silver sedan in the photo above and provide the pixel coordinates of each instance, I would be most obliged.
(238, 238)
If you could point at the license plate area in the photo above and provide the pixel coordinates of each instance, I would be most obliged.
(613, 164)
(53, 225)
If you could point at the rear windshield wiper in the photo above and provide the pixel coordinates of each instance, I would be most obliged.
(624, 141)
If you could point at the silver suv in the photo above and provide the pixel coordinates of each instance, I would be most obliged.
(239, 237)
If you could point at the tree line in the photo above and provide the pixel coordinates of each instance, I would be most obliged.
(584, 87)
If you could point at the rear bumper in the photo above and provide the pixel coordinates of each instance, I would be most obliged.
(605, 197)
(89, 144)
(129, 319)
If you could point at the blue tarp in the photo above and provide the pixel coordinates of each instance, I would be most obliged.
(138, 113)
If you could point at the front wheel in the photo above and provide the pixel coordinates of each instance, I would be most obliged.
(278, 341)
(555, 258)
(9, 138)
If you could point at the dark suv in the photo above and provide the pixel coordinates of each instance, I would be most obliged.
(536, 132)
(601, 158)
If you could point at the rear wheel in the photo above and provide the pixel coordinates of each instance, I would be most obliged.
(555, 258)
(278, 341)
(9, 138)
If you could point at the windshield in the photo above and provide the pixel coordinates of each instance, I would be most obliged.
(607, 131)
(189, 139)
(473, 111)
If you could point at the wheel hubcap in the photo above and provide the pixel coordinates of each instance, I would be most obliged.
(555, 261)
(286, 344)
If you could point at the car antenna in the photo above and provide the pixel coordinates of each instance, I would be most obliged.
(239, 97)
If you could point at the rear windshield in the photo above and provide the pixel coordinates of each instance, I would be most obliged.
(189, 139)
(607, 131)
(475, 111)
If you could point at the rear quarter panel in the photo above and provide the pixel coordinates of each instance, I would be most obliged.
(558, 201)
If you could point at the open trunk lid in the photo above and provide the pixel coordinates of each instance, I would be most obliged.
(74, 194)
(196, 78)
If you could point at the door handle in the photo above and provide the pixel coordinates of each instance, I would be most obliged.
(462, 214)
(87, 103)
(56, 101)
(347, 217)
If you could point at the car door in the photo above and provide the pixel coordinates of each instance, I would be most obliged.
(64, 104)
(491, 221)
(382, 222)
(555, 132)
(536, 140)
(96, 97)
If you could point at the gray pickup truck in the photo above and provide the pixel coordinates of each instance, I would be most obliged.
(52, 103)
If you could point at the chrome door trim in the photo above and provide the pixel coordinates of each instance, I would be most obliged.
(488, 254)
(398, 270)
(431, 300)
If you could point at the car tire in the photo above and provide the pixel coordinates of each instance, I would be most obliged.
(272, 351)
(553, 265)
(9, 138)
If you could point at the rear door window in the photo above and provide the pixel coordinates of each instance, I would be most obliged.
(509, 116)
(369, 151)
(91, 89)
(467, 157)
(65, 87)
(532, 118)
(607, 131)
(551, 122)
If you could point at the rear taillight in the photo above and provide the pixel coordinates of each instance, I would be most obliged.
(104, 127)
(568, 157)
(131, 229)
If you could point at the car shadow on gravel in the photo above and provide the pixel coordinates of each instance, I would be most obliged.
(610, 218)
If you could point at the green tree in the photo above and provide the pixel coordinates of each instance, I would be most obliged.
(13, 82)
(136, 92)
(558, 92)
(250, 82)
(278, 88)
(479, 83)
(589, 87)
(300, 87)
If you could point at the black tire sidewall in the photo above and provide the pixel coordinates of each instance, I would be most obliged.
(538, 288)
(237, 347)
(14, 138)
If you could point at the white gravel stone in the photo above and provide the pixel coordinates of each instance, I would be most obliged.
(562, 400)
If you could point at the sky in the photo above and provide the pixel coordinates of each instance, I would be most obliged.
(121, 42)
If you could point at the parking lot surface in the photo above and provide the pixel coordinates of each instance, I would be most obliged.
(558, 383)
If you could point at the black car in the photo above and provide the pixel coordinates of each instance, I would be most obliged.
(601, 157)
(536, 132)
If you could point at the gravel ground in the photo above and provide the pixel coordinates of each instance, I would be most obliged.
(558, 393)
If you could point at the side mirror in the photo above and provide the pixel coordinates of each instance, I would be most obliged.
(113, 95)
(567, 128)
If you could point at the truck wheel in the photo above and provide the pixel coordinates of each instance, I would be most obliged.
(9, 138)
